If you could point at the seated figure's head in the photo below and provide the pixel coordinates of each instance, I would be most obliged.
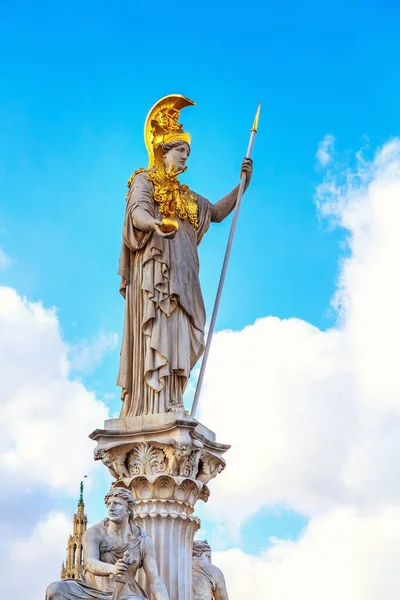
(120, 504)
(202, 549)
(175, 154)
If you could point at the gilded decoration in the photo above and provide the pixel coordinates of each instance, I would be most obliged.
(162, 127)
(174, 199)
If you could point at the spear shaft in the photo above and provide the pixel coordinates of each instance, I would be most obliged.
(224, 267)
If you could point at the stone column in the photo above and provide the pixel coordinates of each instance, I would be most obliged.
(166, 461)
(171, 524)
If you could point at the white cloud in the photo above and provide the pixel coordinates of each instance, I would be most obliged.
(344, 554)
(44, 447)
(325, 150)
(314, 416)
(88, 354)
(46, 415)
(29, 565)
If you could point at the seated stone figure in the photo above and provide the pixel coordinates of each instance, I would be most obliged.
(208, 580)
(115, 548)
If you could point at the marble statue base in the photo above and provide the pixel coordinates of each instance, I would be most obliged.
(166, 460)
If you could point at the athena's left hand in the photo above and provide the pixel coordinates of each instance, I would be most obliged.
(247, 169)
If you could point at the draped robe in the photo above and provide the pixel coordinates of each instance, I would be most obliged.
(96, 587)
(204, 580)
(164, 311)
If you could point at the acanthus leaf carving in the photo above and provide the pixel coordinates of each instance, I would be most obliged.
(176, 457)
(145, 459)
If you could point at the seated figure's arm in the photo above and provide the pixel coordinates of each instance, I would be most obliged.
(91, 554)
(221, 592)
(157, 585)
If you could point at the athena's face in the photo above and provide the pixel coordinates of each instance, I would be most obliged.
(117, 509)
(177, 157)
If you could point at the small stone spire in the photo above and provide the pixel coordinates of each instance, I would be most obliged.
(81, 504)
(72, 568)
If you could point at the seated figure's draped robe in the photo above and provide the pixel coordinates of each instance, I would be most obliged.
(204, 581)
(164, 314)
(96, 587)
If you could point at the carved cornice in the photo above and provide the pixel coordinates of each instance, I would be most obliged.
(170, 445)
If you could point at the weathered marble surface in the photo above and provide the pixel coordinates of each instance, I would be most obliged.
(171, 444)
(208, 580)
(164, 314)
(115, 548)
(164, 309)
(170, 458)
(155, 452)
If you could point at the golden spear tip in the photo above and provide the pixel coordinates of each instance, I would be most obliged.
(256, 118)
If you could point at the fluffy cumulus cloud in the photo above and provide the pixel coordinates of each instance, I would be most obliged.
(33, 562)
(43, 409)
(314, 416)
(325, 150)
(342, 554)
(44, 446)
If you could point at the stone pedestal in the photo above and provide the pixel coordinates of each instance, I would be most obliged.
(166, 460)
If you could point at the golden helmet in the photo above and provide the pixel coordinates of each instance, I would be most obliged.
(162, 127)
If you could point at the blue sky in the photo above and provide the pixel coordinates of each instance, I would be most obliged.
(76, 84)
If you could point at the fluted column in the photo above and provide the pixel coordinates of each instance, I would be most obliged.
(174, 535)
(164, 509)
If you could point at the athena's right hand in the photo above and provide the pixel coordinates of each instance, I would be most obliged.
(157, 228)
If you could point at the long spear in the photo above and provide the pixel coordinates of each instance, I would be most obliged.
(224, 266)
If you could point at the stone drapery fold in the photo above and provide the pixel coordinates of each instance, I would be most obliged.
(164, 312)
(95, 587)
